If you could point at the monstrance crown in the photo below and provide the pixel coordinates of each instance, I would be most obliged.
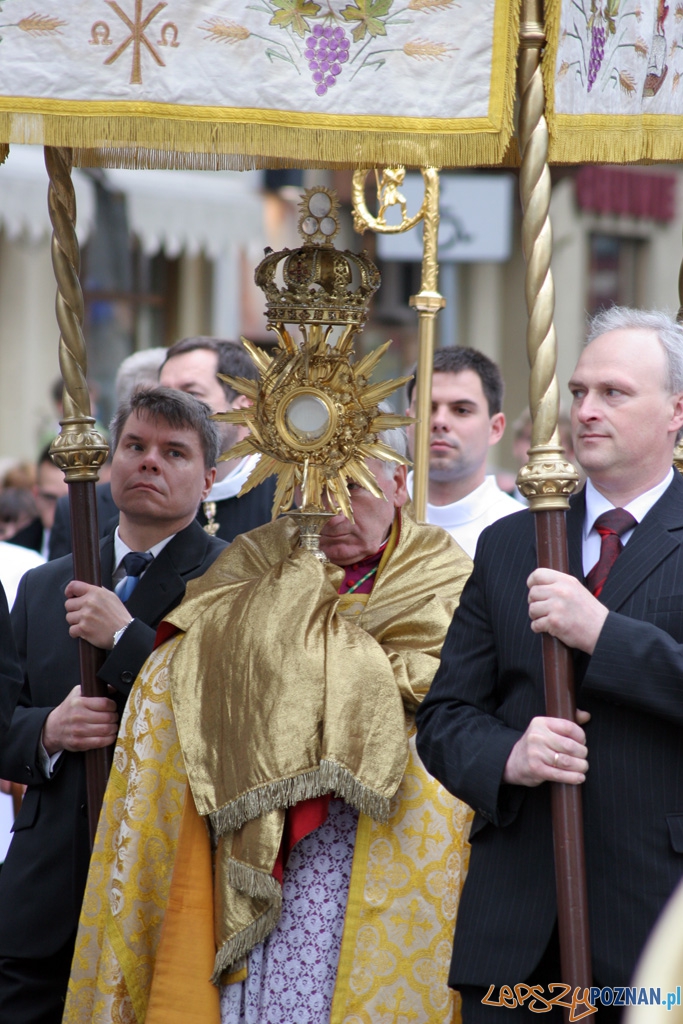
(315, 417)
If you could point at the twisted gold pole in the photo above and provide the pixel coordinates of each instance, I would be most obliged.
(427, 302)
(548, 478)
(78, 450)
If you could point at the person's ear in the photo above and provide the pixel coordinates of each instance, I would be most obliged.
(677, 417)
(400, 481)
(241, 402)
(209, 477)
(497, 425)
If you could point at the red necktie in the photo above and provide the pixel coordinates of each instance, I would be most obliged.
(610, 525)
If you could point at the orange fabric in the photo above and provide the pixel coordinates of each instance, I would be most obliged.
(181, 991)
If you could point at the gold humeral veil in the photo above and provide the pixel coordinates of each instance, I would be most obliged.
(273, 693)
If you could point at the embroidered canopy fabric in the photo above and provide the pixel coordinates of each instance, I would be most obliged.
(228, 84)
(613, 72)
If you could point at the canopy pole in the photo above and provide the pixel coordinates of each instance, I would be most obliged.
(547, 481)
(427, 302)
(79, 450)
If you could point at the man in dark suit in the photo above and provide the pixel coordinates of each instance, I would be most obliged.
(165, 448)
(482, 730)
(192, 365)
(10, 672)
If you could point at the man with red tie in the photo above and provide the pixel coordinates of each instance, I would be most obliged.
(482, 729)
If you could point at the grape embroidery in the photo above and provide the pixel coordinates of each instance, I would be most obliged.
(327, 50)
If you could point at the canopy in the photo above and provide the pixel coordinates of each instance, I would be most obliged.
(221, 83)
(613, 80)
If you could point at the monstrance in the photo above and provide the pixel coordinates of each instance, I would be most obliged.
(315, 417)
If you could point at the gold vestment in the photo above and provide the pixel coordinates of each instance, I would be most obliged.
(269, 697)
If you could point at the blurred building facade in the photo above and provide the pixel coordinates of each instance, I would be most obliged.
(166, 254)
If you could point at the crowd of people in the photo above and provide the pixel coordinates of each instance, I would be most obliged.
(319, 767)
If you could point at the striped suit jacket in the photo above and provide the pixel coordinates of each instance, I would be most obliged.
(488, 688)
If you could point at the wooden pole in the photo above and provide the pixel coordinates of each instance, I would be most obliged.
(547, 481)
(79, 450)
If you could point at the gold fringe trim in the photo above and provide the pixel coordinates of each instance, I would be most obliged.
(181, 146)
(253, 881)
(603, 138)
(236, 948)
(328, 778)
(630, 143)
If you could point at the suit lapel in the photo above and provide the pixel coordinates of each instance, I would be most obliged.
(163, 585)
(650, 544)
(107, 560)
(575, 518)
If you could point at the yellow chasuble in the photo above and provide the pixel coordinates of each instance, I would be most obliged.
(276, 690)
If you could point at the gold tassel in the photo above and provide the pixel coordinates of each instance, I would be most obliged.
(328, 778)
(236, 948)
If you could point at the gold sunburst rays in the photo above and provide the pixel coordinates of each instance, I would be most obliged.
(261, 358)
(242, 384)
(318, 458)
(378, 450)
(377, 393)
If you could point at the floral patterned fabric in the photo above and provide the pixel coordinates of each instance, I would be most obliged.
(367, 918)
(291, 976)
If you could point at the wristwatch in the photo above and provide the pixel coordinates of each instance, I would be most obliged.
(119, 632)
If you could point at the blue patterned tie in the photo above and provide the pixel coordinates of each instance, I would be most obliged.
(135, 563)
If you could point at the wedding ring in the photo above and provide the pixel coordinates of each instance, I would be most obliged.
(556, 759)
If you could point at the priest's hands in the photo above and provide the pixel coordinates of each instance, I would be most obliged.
(551, 750)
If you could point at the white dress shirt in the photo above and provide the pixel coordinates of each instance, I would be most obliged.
(596, 504)
(465, 519)
(121, 549)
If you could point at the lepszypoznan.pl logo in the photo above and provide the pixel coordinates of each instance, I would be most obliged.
(581, 1002)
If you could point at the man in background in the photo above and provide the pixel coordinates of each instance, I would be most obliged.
(466, 420)
(521, 443)
(50, 486)
(192, 365)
